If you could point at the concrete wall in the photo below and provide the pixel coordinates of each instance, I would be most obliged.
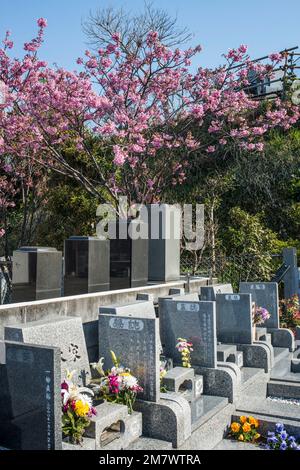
(85, 306)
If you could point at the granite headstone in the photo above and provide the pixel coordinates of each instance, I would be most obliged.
(136, 342)
(234, 318)
(264, 294)
(30, 401)
(138, 308)
(37, 274)
(210, 292)
(86, 265)
(65, 333)
(194, 321)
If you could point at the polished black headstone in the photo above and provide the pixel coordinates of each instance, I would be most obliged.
(86, 265)
(128, 259)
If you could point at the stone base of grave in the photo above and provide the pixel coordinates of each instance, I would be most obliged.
(113, 428)
(87, 444)
(168, 420)
(220, 382)
(282, 338)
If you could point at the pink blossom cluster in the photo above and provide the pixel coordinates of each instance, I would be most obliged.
(147, 109)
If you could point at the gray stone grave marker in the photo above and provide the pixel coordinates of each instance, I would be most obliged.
(134, 309)
(210, 292)
(136, 342)
(194, 321)
(234, 318)
(65, 333)
(264, 294)
(30, 401)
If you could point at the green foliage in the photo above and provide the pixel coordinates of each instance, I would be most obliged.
(74, 426)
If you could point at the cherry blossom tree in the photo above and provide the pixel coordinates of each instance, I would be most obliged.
(132, 118)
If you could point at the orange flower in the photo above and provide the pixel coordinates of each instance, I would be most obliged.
(243, 419)
(246, 427)
(235, 427)
(241, 437)
(253, 421)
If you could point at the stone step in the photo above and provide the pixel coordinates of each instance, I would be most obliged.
(250, 375)
(279, 354)
(281, 412)
(146, 443)
(284, 389)
(205, 408)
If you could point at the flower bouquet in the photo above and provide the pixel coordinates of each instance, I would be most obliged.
(245, 430)
(77, 409)
(260, 315)
(118, 385)
(185, 348)
(281, 440)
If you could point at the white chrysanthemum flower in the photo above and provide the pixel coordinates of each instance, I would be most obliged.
(130, 381)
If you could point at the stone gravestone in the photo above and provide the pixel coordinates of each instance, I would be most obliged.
(30, 401)
(164, 242)
(86, 265)
(210, 292)
(234, 318)
(264, 294)
(128, 255)
(133, 309)
(291, 279)
(65, 333)
(136, 342)
(194, 321)
(37, 274)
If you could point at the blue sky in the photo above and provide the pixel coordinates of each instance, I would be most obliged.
(265, 25)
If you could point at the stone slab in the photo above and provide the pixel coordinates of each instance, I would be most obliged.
(194, 321)
(234, 318)
(210, 292)
(65, 333)
(136, 342)
(138, 309)
(30, 401)
(264, 294)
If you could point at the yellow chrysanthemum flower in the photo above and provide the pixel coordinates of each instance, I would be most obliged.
(81, 409)
(235, 427)
(243, 419)
(241, 437)
(246, 427)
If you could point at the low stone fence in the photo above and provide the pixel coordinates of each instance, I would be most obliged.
(86, 306)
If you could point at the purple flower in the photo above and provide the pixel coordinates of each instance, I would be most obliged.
(272, 440)
(279, 427)
(283, 446)
(284, 435)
